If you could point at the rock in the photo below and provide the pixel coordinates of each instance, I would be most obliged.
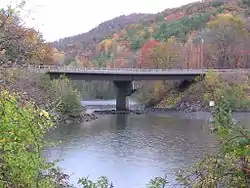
(84, 117)
(88, 117)
(183, 106)
(68, 121)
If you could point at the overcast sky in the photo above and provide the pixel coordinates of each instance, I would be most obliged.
(61, 18)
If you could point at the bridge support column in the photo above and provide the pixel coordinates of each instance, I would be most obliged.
(123, 89)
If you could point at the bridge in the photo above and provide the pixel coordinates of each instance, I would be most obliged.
(123, 78)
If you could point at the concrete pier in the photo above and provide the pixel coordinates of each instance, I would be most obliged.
(123, 89)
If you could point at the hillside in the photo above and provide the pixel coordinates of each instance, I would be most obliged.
(208, 34)
(121, 37)
(86, 41)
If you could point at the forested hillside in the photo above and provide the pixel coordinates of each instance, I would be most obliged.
(126, 40)
(208, 34)
(87, 41)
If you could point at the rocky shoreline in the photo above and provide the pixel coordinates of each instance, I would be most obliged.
(113, 112)
(189, 107)
(186, 107)
(182, 107)
(66, 119)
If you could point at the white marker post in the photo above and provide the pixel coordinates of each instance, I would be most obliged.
(211, 103)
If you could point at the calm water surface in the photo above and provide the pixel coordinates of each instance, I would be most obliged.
(130, 150)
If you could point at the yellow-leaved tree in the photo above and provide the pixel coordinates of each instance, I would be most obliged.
(226, 41)
(166, 54)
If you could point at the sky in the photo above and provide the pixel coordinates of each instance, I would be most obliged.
(61, 18)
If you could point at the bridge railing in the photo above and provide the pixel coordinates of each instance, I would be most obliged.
(91, 69)
(53, 68)
(103, 69)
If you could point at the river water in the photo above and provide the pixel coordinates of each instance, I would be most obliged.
(132, 149)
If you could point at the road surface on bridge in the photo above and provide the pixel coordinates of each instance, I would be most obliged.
(116, 74)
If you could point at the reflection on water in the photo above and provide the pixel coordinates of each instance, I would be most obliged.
(96, 105)
(121, 122)
(130, 150)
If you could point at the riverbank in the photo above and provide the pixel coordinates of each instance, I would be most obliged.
(196, 96)
(84, 117)
(30, 88)
(189, 108)
(181, 107)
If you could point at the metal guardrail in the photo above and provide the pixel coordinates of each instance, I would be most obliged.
(97, 69)
(65, 69)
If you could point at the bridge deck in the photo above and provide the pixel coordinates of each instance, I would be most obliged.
(127, 71)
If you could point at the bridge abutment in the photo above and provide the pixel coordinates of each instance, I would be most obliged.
(123, 89)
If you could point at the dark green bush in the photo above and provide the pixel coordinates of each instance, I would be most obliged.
(45, 81)
(246, 2)
(70, 104)
(217, 3)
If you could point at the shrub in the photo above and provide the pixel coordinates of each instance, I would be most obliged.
(69, 100)
(102, 182)
(45, 81)
(229, 167)
(235, 94)
(70, 103)
(22, 127)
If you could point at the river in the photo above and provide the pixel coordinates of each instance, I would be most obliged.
(132, 149)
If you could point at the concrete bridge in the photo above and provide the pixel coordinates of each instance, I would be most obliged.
(123, 78)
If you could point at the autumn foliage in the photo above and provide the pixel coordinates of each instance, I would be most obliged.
(207, 34)
(175, 16)
(196, 29)
(146, 51)
(18, 44)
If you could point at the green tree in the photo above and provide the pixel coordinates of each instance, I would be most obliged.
(22, 127)
(160, 17)
(137, 42)
(69, 97)
(180, 28)
(70, 103)
(217, 3)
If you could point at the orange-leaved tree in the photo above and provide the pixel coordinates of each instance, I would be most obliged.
(166, 54)
(19, 44)
(53, 56)
(145, 53)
